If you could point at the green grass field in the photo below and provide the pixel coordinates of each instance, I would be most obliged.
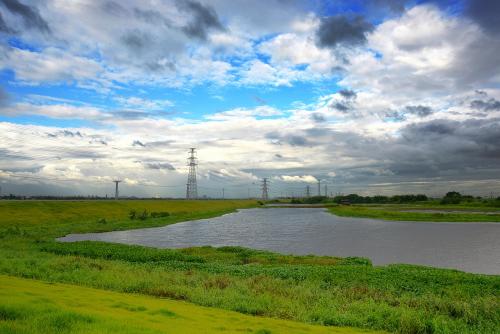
(312, 290)
(397, 212)
(32, 307)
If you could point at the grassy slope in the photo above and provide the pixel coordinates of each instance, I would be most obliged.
(32, 307)
(393, 212)
(25, 213)
(321, 290)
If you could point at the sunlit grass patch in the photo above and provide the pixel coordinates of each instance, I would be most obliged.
(83, 310)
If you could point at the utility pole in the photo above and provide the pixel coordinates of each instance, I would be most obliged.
(265, 189)
(308, 191)
(222, 193)
(116, 188)
(191, 187)
(326, 190)
(319, 187)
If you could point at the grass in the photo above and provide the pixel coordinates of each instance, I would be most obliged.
(57, 213)
(316, 290)
(394, 212)
(33, 307)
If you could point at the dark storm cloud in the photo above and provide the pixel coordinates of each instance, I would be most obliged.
(341, 106)
(433, 128)
(138, 143)
(485, 105)
(6, 154)
(114, 8)
(420, 111)
(485, 13)
(297, 140)
(204, 18)
(471, 142)
(158, 165)
(151, 16)
(292, 140)
(347, 93)
(136, 41)
(444, 149)
(318, 118)
(4, 27)
(30, 15)
(341, 30)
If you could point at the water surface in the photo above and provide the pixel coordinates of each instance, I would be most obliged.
(472, 247)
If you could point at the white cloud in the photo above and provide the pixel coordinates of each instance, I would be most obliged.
(298, 178)
(51, 66)
(144, 104)
(238, 113)
(60, 111)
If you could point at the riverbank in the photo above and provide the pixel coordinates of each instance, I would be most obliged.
(419, 212)
(309, 289)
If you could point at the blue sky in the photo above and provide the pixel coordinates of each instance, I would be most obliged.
(382, 96)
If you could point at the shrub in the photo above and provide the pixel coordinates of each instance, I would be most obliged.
(143, 215)
(451, 197)
(132, 214)
(159, 214)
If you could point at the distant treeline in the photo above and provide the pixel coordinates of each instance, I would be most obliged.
(357, 199)
(451, 197)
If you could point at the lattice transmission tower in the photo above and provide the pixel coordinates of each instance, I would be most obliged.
(117, 194)
(191, 187)
(265, 189)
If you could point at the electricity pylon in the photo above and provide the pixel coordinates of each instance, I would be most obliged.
(265, 189)
(308, 191)
(116, 188)
(191, 187)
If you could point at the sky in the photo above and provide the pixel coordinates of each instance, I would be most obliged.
(369, 97)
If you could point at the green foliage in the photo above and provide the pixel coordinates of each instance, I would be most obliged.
(419, 212)
(309, 289)
(452, 197)
(322, 290)
(378, 199)
(144, 214)
(122, 252)
(31, 307)
(159, 214)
